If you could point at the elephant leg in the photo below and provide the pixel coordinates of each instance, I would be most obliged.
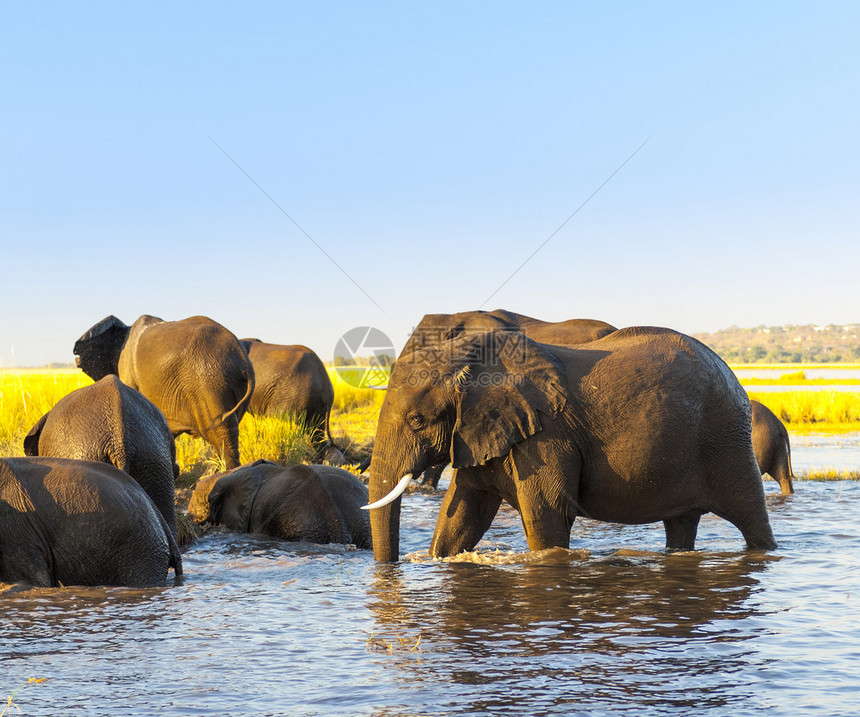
(224, 438)
(466, 514)
(746, 510)
(316, 426)
(754, 526)
(545, 526)
(681, 532)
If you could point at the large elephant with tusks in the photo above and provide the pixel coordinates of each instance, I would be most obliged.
(194, 370)
(436, 328)
(643, 425)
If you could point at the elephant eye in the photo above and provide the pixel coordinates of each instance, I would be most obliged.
(417, 421)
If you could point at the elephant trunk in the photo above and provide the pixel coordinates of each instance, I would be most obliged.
(397, 457)
(384, 520)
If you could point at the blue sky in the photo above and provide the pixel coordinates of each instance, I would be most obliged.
(429, 149)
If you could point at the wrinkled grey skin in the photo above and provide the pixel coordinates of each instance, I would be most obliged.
(194, 370)
(318, 503)
(69, 522)
(291, 380)
(642, 425)
(435, 328)
(771, 446)
(112, 423)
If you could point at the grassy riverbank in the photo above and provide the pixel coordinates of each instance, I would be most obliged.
(808, 408)
(25, 395)
(813, 411)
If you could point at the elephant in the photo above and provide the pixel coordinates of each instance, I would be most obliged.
(642, 425)
(112, 423)
(194, 370)
(72, 522)
(435, 328)
(291, 380)
(318, 503)
(771, 446)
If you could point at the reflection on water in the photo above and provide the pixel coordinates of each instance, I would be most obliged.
(613, 626)
(575, 624)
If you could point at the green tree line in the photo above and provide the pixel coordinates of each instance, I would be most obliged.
(834, 343)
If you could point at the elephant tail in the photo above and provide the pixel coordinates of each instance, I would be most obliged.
(788, 458)
(328, 429)
(364, 465)
(175, 556)
(31, 440)
(243, 402)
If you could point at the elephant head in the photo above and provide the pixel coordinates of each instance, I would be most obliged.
(198, 505)
(467, 400)
(227, 498)
(435, 328)
(97, 351)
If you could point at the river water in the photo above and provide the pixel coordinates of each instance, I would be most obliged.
(612, 626)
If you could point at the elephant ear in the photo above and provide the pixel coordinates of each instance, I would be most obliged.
(31, 440)
(506, 384)
(99, 348)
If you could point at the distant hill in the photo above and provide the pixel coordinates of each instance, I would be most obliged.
(833, 343)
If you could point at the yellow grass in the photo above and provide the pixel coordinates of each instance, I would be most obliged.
(26, 395)
(826, 411)
(282, 440)
(828, 474)
(347, 396)
(795, 375)
(798, 378)
(354, 416)
(796, 366)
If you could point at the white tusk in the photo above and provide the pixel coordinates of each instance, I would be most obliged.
(377, 388)
(393, 495)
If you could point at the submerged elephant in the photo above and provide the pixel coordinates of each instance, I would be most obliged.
(194, 370)
(435, 328)
(642, 425)
(112, 423)
(291, 380)
(318, 503)
(771, 446)
(69, 522)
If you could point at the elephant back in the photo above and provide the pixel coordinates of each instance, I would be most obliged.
(289, 379)
(189, 369)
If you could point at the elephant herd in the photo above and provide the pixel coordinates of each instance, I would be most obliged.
(559, 420)
(93, 500)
